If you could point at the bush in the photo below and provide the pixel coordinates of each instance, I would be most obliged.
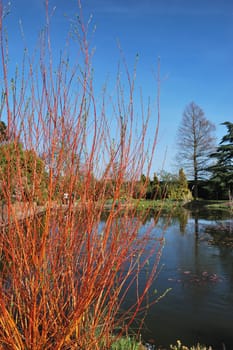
(65, 274)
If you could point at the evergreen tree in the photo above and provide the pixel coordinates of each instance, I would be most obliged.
(175, 187)
(183, 183)
(182, 188)
(155, 188)
(222, 171)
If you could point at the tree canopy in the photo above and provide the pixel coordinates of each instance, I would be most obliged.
(222, 170)
(21, 172)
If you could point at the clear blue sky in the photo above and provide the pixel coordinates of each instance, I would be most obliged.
(193, 38)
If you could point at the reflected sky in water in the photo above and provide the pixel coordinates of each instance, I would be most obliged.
(199, 306)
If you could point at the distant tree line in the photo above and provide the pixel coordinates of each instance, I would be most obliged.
(166, 185)
(212, 171)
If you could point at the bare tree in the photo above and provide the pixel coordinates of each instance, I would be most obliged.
(195, 142)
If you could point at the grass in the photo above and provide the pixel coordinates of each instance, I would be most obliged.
(209, 205)
(171, 205)
(159, 205)
(127, 343)
(179, 346)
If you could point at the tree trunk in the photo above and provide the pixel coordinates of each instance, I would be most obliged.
(195, 190)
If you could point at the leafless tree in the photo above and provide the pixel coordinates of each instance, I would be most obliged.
(195, 141)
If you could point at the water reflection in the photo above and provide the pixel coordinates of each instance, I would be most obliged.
(199, 308)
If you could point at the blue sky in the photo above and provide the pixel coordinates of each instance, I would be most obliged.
(193, 38)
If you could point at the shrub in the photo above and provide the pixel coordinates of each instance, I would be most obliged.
(65, 274)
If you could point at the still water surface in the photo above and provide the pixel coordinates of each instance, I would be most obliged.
(199, 306)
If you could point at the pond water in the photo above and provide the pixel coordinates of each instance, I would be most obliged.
(199, 306)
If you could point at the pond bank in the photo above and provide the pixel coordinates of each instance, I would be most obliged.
(21, 210)
(200, 205)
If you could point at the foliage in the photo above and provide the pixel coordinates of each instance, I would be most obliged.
(221, 181)
(154, 189)
(195, 142)
(22, 173)
(3, 132)
(183, 192)
(65, 274)
(126, 343)
(175, 187)
(169, 186)
(179, 346)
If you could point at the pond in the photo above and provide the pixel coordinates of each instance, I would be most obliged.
(199, 306)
